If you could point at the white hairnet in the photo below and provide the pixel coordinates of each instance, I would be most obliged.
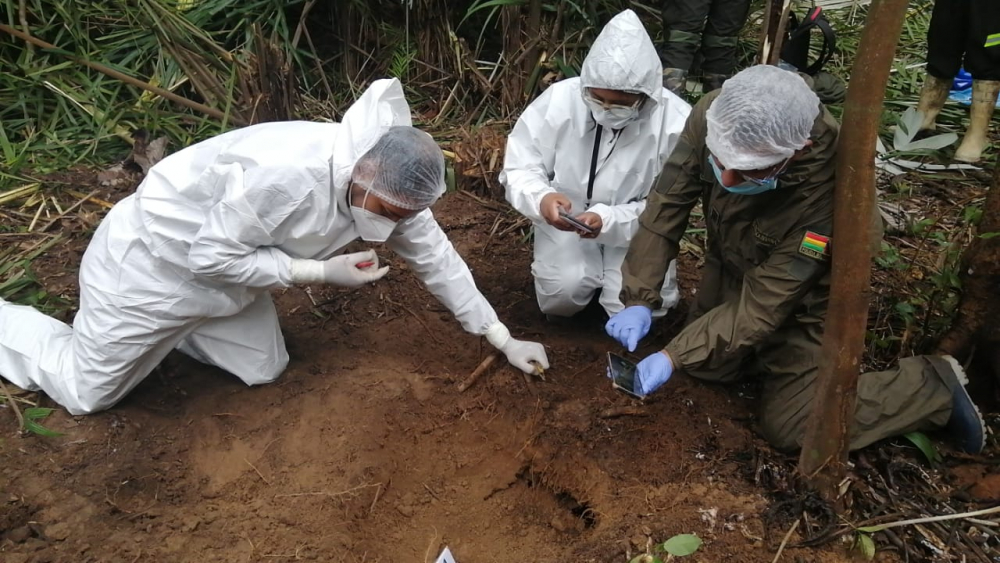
(762, 116)
(623, 58)
(404, 168)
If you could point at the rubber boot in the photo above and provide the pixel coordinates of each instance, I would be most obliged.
(984, 99)
(675, 80)
(932, 97)
(712, 82)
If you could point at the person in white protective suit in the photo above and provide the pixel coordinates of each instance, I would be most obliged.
(186, 262)
(593, 146)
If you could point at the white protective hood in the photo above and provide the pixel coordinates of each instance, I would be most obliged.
(623, 58)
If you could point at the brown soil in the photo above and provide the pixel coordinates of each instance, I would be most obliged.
(365, 451)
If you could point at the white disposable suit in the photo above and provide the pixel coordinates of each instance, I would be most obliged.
(555, 145)
(186, 262)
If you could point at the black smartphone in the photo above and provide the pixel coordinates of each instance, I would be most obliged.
(622, 374)
(576, 224)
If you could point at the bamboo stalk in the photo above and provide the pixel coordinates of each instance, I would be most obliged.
(18, 193)
(69, 210)
(124, 77)
(12, 403)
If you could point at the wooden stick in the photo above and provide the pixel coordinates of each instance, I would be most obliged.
(615, 412)
(469, 381)
(12, 403)
(880, 527)
(101, 202)
(68, 210)
(784, 542)
(124, 77)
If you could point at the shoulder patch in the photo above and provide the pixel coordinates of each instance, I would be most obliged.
(815, 245)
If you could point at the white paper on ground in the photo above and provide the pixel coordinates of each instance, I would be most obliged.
(445, 557)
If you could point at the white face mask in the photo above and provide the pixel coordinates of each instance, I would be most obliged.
(615, 117)
(372, 227)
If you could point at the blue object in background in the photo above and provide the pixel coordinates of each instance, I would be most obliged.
(961, 89)
(963, 81)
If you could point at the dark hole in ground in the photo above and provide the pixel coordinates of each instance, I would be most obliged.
(581, 510)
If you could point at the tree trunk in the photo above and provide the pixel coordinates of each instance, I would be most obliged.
(980, 276)
(975, 332)
(824, 451)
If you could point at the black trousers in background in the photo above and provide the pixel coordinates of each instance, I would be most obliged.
(711, 25)
(961, 31)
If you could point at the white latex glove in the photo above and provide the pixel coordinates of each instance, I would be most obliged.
(522, 354)
(347, 270)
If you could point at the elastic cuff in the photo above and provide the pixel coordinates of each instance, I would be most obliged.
(674, 359)
(638, 302)
(498, 335)
(306, 271)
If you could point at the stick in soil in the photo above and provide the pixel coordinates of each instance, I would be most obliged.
(482, 367)
(784, 541)
(615, 412)
(12, 403)
(68, 211)
(378, 492)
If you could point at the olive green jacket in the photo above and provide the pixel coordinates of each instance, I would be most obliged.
(778, 243)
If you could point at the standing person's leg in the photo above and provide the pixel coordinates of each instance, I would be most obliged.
(683, 22)
(567, 271)
(917, 394)
(248, 344)
(982, 61)
(946, 43)
(612, 284)
(719, 42)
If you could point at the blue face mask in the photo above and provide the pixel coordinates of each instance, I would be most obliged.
(749, 186)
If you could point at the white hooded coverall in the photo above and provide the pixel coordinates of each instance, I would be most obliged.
(550, 150)
(187, 260)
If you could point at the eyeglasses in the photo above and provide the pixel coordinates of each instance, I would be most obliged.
(608, 105)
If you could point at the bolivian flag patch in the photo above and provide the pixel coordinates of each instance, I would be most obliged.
(815, 246)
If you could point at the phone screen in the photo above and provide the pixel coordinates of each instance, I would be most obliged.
(622, 374)
(577, 224)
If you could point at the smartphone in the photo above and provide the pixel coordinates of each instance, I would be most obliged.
(622, 374)
(576, 224)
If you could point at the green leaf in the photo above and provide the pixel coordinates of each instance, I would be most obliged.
(924, 444)
(476, 6)
(449, 178)
(37, 413)
(866, 546)
(35, 428)
(988, 236)
(682, 545)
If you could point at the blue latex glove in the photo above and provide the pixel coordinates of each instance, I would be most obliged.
(630, 325)
(652, 372)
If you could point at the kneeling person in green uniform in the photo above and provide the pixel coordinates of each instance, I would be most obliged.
(760, 155)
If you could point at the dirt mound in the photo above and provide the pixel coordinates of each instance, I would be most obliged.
(365, 451)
